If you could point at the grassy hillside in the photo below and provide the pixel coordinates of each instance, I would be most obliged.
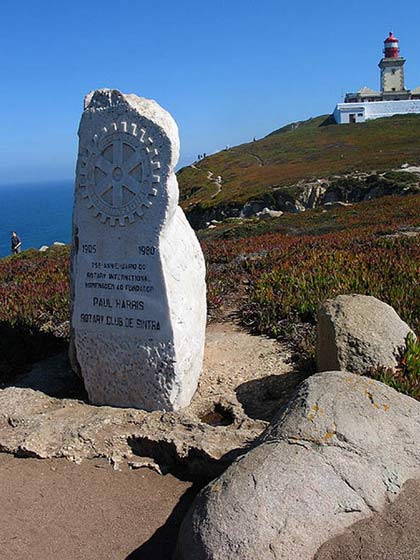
(276, 273)
(273, 273)
(302, 151)
(289, 266)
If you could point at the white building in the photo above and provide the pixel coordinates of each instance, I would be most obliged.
(393, 99)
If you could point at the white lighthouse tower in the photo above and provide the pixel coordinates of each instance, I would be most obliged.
(392, 99)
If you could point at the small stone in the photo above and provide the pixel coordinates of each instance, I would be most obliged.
(145, 464)
(268, 213)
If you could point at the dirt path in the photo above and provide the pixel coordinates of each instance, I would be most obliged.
(260, 160)
(55, 510)
(254, 371)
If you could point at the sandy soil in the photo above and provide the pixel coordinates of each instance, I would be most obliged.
(394, 534)
(254, 371)
(55, 510)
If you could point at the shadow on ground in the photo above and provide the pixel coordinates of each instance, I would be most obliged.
(161, 545)
(262, 398)
(196, 466)
(53, 377)
(21, 346)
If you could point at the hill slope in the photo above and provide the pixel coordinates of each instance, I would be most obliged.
(296, 153)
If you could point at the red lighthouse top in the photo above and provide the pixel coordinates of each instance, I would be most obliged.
(391, 49)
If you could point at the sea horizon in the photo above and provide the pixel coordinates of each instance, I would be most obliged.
(40, 213)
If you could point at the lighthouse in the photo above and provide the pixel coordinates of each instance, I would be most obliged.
(393, 97)
(392, 70)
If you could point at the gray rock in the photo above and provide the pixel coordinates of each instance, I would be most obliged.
(251, 208)
(356, 333)
(42, 413)
(267, 213)
(339, 451)
(312, 194)
(43, 248)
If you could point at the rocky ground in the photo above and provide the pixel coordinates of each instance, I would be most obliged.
(109, 498)
(130, 476)
(44, 413)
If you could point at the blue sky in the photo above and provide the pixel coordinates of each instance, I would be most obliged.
(226, 70)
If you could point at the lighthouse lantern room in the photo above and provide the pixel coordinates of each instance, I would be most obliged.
(391, 48)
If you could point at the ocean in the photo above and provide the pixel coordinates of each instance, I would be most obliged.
(39, 213)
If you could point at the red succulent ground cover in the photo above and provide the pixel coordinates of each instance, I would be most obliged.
(291, 273)
(274, 280)
(373, 249)
(34, 307)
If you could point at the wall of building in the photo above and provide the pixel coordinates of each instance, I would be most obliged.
(392, 78)
(343, 112)
(374, 110)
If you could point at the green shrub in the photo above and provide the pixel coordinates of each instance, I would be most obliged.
(406, 379)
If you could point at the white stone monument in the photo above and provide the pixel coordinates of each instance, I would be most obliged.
(138, 273)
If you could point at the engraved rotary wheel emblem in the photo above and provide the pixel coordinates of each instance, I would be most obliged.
(121, 177)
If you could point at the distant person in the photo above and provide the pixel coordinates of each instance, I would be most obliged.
(16, 244)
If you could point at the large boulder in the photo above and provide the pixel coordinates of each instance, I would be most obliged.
(340, 450)
(357, 333)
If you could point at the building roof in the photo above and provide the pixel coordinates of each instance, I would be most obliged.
(391, 38)
(367, 91)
